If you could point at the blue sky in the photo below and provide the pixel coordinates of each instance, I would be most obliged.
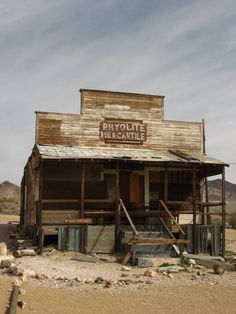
(183, 49)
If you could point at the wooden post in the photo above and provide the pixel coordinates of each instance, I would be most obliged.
(82, 190)
(207, 218)
(83, 230)
(223, 211)
(165, 194)
(207, 201)
(194, 214)
(166, 186)
(129, 219)
(14, 300)
(117, 206)
(40, 208)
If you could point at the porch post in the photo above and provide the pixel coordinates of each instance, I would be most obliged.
(40, 208)
(223, 210)
(166, 186)
(194, 214)
(117, 205)
(208, 217)
(83, 229)
(82, 190)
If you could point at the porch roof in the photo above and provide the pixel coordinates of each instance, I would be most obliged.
(75, 152)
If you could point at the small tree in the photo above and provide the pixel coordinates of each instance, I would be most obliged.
(231, 219)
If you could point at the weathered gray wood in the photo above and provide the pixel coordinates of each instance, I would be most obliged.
(172, 217)
(24, 252)
(223, 211)
(128, 217)
(159, 241)
(83, 130)
(14, 300)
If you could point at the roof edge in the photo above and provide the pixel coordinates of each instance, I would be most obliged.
(117, 92)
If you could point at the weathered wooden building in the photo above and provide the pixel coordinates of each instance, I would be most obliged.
(117, 167)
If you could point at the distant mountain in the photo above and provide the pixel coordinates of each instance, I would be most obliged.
(214, 188)
(9, 198)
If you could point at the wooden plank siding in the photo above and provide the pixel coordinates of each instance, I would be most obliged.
(29, 190)
(96, 106)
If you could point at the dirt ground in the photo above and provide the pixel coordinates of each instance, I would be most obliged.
(202, 298)
(62, 285)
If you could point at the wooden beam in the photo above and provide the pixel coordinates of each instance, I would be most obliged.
(61, 201)
(172, 217)
(128, 217)
(167, 228)
(166, 185)
(14, 300)
(117, 205)
(194, 214)
(159, 241)
(78, 221)
(83, 245)
(40, 208)
(223, 210)
(82, 190)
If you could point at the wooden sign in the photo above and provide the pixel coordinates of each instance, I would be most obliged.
(123, 131)
(78, 221)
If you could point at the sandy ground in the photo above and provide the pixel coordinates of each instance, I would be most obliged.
(66, 286)
(202, 298)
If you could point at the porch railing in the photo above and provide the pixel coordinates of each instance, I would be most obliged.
(172, 217)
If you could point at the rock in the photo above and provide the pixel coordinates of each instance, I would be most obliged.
(170, 269)
(39, 276)
(166, 273)
(192, 262)
(194, 277)
(200, 273)
(109, 283)
(125, 268)
(78, 279)
(148, 282)
(6, 258)
(22, 291)
(124, 275)
(5, 263)
(99, 280)
(29, 272)
(17, 271)
(21, 304)
(219, 269)
(150, 273)
(144, 262)
(89, 280)
(18, 282)
(199, 267)
(24, 278)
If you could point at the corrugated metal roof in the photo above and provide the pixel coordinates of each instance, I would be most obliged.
(74, 152)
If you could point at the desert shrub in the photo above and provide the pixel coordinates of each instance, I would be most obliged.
(231, 220)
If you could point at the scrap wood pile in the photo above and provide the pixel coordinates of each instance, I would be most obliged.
(22, 244)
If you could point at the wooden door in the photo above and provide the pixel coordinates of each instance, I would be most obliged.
(131, 187)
